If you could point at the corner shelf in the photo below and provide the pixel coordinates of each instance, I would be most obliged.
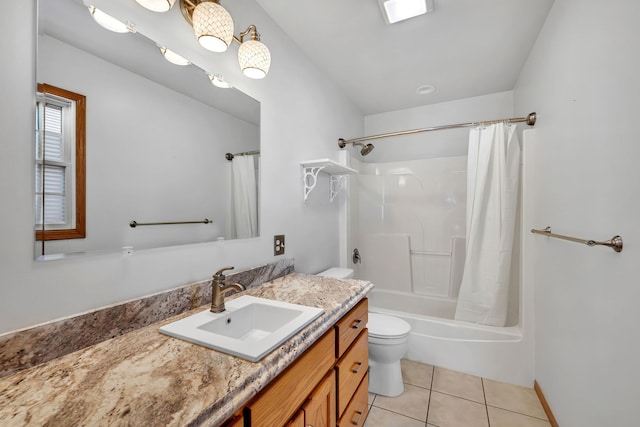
(335, 170)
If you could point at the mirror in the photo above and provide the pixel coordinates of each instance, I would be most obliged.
(156, 139)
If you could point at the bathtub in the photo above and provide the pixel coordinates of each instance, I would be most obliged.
(436, 339)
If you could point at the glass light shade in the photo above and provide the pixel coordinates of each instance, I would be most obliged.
(213, 26)
(254, 58)
(219, 81)
(173, 57)
(157, 5)
(108, 21)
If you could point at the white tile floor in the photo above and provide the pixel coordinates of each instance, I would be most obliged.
(437, 397)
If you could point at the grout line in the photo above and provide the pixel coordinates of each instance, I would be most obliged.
(369, 406)
(399, 413)
(519, 413)
(458, 397)
(433, 372)
(486, 407)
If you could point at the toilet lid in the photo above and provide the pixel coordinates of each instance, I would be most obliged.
(382, 325)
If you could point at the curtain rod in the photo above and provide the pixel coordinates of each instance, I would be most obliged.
(230, 156)
(530, 120)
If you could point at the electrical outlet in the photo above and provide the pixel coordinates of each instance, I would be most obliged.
(278, 244)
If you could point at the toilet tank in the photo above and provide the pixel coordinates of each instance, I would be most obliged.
(337, 273)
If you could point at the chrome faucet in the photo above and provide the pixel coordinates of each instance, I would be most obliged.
(219, 289)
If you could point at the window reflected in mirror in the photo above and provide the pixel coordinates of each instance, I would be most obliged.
(60, 164)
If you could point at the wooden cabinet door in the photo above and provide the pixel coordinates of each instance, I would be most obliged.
(320, 408)
(298, 420)
(283, 397)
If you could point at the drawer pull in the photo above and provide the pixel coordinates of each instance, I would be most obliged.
(356, 324)
(357, 365)
(357, 420)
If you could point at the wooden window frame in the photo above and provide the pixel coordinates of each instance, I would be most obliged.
(79, 231)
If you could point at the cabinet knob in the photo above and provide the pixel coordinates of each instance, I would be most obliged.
(356, 324)
(357, 365)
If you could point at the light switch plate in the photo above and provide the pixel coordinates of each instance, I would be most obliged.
(278, 244)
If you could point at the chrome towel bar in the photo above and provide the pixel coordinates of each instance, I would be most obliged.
(615, 243)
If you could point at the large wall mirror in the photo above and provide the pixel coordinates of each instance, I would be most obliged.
(156, 137)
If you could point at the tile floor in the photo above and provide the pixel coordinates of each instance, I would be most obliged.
(437, 397)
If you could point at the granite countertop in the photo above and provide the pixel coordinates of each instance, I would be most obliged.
(146, 378)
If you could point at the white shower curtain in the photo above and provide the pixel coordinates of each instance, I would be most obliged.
(245, 196)
(493, 171)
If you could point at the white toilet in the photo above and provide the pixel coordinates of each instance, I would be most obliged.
(388, 343)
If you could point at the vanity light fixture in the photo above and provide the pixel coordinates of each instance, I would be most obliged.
(218, 81)
(157, 5)
(399, 10)
(109, 22)
(173, 57)
(213, 27)
(254, 57)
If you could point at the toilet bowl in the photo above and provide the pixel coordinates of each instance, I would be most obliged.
(388, 343)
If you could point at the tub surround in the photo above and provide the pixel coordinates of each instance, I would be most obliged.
(144, 375)
(29, 347)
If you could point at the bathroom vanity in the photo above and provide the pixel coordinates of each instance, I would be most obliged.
(318, 376)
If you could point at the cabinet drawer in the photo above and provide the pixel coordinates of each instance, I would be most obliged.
(356, 411)
(351, 369)
(350, 326)
(282, 398)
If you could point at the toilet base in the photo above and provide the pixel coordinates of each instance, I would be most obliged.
(385, 378)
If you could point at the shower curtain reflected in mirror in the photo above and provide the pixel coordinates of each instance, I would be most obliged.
(492, 195)
(244, 181)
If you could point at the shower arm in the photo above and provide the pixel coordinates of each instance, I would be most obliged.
(529, 120)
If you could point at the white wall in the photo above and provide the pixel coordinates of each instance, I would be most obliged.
(444, 143)
(582, 79)
(303, 114)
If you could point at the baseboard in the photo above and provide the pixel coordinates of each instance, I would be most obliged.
(545, 405)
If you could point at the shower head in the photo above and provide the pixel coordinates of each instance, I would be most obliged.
(366, 149)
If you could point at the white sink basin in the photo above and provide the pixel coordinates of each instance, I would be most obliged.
(249, 328)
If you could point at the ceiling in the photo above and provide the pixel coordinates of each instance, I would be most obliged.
(464, 48)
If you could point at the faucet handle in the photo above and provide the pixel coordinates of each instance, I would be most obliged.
(219, 274)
